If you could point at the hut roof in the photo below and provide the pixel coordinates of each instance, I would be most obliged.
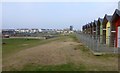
(101, 20)
(117, 12)
(91, 24)
(95, 22)
(116, 15)
(108, 17)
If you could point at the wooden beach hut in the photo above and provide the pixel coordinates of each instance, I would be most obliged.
(106, 29)
(83, 29)
(91, 28)
(94, 29)
(115, 29)
(87, 29)
(99, 29)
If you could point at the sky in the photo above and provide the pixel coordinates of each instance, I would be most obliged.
(59, 0)
(53, 15)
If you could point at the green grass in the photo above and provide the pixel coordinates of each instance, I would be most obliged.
(14, 45)
(82, 48)
(62, 67)
(73, 36)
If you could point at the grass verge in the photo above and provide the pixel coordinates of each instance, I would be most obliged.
(62, 67)
(14, 45)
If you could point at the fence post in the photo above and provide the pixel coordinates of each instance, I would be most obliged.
(114, 46)
(96, 44)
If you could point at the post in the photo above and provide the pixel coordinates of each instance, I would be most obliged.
(96, 44)
(114, 46)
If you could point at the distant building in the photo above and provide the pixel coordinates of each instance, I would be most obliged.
(39, 30)
(10, 32)
(21, 30)
(34, 30)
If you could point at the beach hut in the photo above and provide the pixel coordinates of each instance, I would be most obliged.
(83, 29)
(99, 29)
(115, 29)
(87, 29)
(94, 29)
(100, 20)
(91, 28)
(106, 30)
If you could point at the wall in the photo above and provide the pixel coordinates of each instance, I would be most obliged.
(117, 24)
(108, 33)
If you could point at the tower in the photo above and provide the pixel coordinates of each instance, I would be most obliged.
(71, 28)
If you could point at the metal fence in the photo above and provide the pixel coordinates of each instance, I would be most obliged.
(94, 44)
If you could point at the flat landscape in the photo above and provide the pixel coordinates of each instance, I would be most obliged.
(63, 53)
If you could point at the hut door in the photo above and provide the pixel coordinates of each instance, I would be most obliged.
(118, 42)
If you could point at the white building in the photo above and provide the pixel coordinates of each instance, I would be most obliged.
(34, 30)
(22, 30)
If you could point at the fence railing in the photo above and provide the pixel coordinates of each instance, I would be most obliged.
(94, 43)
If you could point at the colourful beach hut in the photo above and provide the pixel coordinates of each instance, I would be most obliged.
(94, 29)
(91, 28)
(106, 30)
(115, 29)
(99, 29)
(88, 29)
(85, 29)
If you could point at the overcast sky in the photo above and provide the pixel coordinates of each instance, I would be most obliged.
(56, 15)
(59, 0)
